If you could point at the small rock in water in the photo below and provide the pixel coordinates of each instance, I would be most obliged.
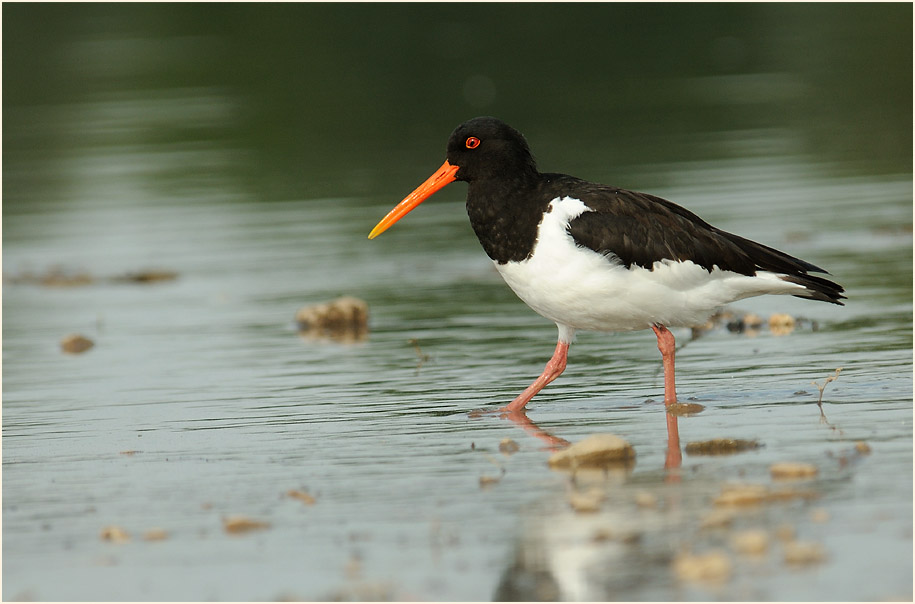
(155, 534)
(719, 518)
(741, 495)
(752, 542)
(344, 320)
(755, 494)
(488, 480)
(644, 499)
(710, 567)
(147, 276)
(781, 324)
(862, 447)
(685, 409)
(242, 524)
(54, 277)
(752, 321)
(602, 535)
(584, 502)
(819, 515)
(785, 533)
(787, 470)
(301, 496)
(748, 324)
(720, 446)
(802, 553)
(789, 494)
(76, 343)
(114, 534)
(508, 446)
(595, 451)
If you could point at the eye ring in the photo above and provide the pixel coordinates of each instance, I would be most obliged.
(472, 142)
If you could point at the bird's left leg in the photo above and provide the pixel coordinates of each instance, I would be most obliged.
(667, 346)
(553, 369)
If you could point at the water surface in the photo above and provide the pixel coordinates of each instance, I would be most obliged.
(257, 187)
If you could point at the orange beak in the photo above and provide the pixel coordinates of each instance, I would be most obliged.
(442, 177)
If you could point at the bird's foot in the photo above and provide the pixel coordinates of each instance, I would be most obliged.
(502, 411)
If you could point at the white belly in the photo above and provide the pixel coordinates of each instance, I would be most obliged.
(579, 288)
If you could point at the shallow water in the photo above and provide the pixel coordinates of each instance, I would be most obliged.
(200, 401)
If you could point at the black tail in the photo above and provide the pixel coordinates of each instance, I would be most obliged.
(818, 288)
(794, 270)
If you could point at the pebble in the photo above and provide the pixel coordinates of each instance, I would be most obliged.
(155, 534)
(785, 533)
(54, 277)
(748, 324)
(713, 567)
(685, 409)
(819, 515)
(114, 534)
(301, 496)
(752, 321)
(752, 542)
(742, 495)
(487, 481)
(597, 450)
(587, 502)
(602, 535)
(344, 319)
(644, 499)
(76, 343)
(720, 446)
(787, 470)
(242, 524)
(781, 324)
(718, 518)
(754, 494)
(862, 447)
(788, 494)
(802, 553)
(147, 276)
(507, 446)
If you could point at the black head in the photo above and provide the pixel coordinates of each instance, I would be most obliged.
(485, 148)
(481, 150)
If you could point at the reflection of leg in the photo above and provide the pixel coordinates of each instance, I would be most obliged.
(553, 369)
(667, 345)
(674, 457)
(524, 422)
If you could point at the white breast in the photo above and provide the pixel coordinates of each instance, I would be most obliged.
(578, 288)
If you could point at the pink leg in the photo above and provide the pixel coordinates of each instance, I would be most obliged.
(553, 368)
(521, 419)
(674, 456)
(667, 346)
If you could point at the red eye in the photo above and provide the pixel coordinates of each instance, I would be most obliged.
(472, 142)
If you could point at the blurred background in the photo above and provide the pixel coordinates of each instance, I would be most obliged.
(308, 100)
(179, 179)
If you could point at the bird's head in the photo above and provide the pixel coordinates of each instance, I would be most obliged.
(483, 148)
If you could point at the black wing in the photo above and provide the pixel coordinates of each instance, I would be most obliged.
(642, 229)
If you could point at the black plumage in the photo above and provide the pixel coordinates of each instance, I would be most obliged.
(607, 260)
(508, 196)
(642, 229)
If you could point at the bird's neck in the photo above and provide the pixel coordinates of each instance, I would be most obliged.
(505, 215)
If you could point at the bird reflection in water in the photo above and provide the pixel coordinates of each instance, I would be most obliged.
(673, 457)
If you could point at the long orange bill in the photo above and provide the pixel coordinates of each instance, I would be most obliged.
(442, 177)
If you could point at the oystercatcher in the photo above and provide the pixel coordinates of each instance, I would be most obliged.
(589, 256)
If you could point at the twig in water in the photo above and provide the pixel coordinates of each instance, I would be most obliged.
(823, 388)
(423, 357)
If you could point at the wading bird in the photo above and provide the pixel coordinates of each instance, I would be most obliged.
(589, 256)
